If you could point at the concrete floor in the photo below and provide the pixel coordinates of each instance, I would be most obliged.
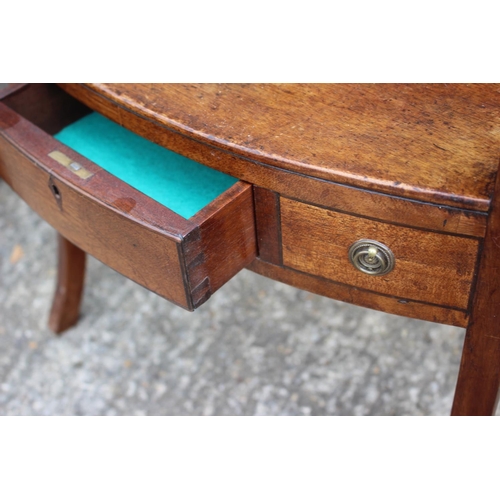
(257, 347)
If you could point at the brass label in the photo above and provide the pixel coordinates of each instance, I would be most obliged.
(71, 165)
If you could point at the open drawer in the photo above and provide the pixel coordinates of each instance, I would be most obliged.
(184, 260)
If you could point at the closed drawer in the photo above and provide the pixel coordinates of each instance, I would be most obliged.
(430, 267)
(182, 259)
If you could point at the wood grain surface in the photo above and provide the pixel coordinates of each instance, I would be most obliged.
(430, 267)
(436, 143)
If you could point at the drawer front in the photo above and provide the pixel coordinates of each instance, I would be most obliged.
(183, 260)
(429, 267)
(140, 253)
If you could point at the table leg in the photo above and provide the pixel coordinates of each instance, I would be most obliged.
(478, 384)
(71, 274)
(479, 378)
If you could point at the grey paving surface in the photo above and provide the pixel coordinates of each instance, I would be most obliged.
(257, 347)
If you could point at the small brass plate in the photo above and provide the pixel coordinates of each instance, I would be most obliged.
(71, 165)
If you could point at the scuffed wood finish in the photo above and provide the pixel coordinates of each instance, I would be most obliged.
(434, 143)
(123, 228)
(69, 288)
(430, 267)
(267, 219)
(357, 296)
(478, 385)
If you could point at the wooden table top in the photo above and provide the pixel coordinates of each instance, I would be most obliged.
(434, 143)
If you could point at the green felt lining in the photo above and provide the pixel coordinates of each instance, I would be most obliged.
(181, 184)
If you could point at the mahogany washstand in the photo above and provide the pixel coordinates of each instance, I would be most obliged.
(384, 196)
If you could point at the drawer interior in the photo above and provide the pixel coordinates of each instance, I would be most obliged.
(181, 184)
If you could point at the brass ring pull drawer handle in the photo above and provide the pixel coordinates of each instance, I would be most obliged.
(371, 257)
